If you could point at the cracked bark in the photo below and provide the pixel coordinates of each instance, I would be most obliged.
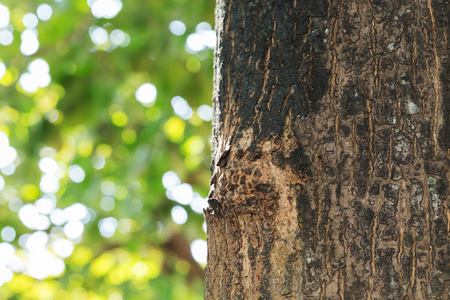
(331, 151)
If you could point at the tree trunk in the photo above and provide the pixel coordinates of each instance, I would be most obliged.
(331, 151)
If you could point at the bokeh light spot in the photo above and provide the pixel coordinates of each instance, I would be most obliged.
(8, 234)
(63, 248)
(203, 26)
(181, 108)
(4, 16)
(177, 27)
(30, 217)
(174, 129)
(6, 37)
(30, 43)
(199, 250)
(108, 187)
(107, 227)
(179, 215)
(2, 69)
(58, 217)
(170, 180)
(44, 12)
(9, 169)
(77, 212)
(119, 38)
(146, 94)
(115, 296)
(15, 204)
(193, 65)
(7, 253)
(182, 267)
(125, 225)
(36, 241)
(30, 20)
(8, 153)
(107, 203)
(183, 194)
(76, 173)
(103, 264)
(2, 183)
(49, 183)
(103, 150)
(205, 112)
(46, 204)
(119, 118)
(199, 203)
(41, 264)
(194, 43)
(38, 67)
(129, 136)
(37, 76)
(73, 229)
(107, 9)
(48, 165)
(98, 35)
(121, 192)
(140, 269)
(85, 148)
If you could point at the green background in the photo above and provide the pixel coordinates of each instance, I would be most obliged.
(88, 115)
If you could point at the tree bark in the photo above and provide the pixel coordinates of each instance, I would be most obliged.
(331, 151)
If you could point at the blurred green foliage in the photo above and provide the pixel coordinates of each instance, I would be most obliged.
(88, 116)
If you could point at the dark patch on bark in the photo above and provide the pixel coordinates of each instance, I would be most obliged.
(437, 287)
(381, 171)
(344, 131)
(287, 277)
(352, 98)
(362, 166)
(240, 153)
(307, 217)
(267, 239)
(252, 155)
(278, 159)
(384, 112)
(426, 144)
(444, 132)
(432, 169)
(375, 188)
(381, 150)
(396, 173)
(362, 128)
(406, 268)
(215, 206)
(358, 289)
(408, 239)
(296, 81)
(223, 159)
(264, 188)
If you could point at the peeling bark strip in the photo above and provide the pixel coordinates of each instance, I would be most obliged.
(331, 151)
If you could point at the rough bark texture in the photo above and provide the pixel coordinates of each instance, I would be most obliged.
(331, 151)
